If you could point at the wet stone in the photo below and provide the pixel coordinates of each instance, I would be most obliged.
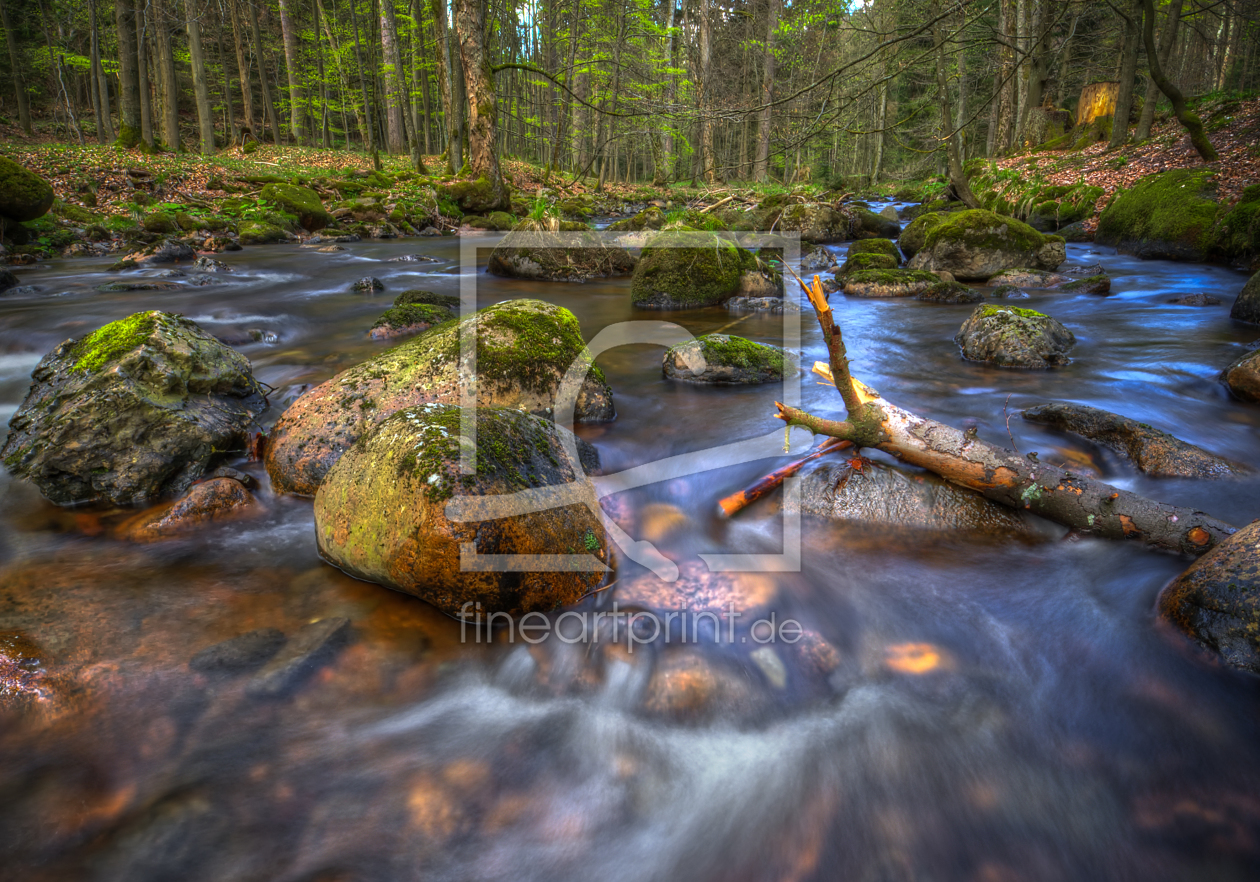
(1196, 300)
(241, 653)
(367, 285)
(308, 649)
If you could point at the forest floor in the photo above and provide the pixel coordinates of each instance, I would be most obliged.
(1233, 126)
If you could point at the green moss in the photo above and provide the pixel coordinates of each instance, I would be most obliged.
(75, 213)
(892, 276)
(915, 234)
(870, 261)
(875, 246)
(985, 230)
(723, 349)
(106, 344)
(161, 222)
(990, 311)
(300, 202)
(1085, 283)
(24, 195)
(674, 266)
(1239, 231)
(415, 295)
(256, 233)
(413, 314)
(1174, 211)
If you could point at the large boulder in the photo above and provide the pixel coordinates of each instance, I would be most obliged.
(474, 196)
(977, 244)
(815, 257)
(686, 269)
(411, 318)
(920, 284)
(301, 202)
(856, 263)
(1007, 336)
(553, 250)
(914, 235)
(650, 218)
(24, 195)
(883, 497)
(1246, 306)
(524, 349)
(1169, 215)
(1151, 451)
(1243, 376)
(134, 410)
(875, 245)
(722, 359)
(870, 225)
(816, 222)
(381, 513)
(1217, 600)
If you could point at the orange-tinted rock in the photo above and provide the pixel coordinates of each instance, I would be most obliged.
(697, 589)
(219, 499)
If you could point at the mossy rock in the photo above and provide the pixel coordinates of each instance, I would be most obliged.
(1169, 215)
(135, 410)
(301, 202)
(1097, 284)
(161, 222)
(24, 195)
(473, 196)
(892, 282)
(416, 295)
(259, 233)
(870, 225)
(915, 233)
(412, 318)
(975, 245)
(381, 513)
(687, 269)
(650, 218)
(75, 214)
(1010, 337)
(875, 246)
(817, 223)
(557, 251)
(524, 349)
(1217, 600)
(865, 261)
(1238, 235)
(726, 360)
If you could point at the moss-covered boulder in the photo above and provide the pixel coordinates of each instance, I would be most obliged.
(8, 281)
(403, 321)
(1238, 231)
(859, 262)
(1246, 306)
(725, 360)
(1096, 284)
(553, 250)
(24, 195)
(915, 234)
(886, 247)
(1217, 601)
(1151, 451)
(262, 233)
(473, 196)
(1010, 337)
(134, 410)
(816, 222)
(1243, 376)
(920, 284)
(1024, 277)
(160, 222)
(687, 269)
(301, 202)
(1170, 215)
(650, 218)
(869, 225)
(815, 257)
(524, 349)
(977, 244)
(416, 295)
(882, 497)
(381, 513)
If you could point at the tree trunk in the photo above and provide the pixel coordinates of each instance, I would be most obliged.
(370, 131)
(957, 178)
(422, 77)
(242, 69)
(296, 95)
(708, 159)
(1128, 72)
(342, 79)
(232, 130)
(483, 158)
(761, 164)
(394, 102)
(452, 101)
(129, 122)
(19, 79)
(1166, 39)
(166, 70)
(269, 106)
(201, 91)
(142, 69)
(1087, 506)
(1188, 119)
(104, 125)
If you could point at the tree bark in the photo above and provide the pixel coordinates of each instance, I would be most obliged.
(1087, 506)
(297, 96)
(142, 70)
(1128, 72)
(166, 70)
(483, 156)
(242, 69)
(130, 129)
(104, 125)
(1188, 119)
(369, 132)
(19, 79)
(761, 164)
(452, 102)
(707, 156)
(269, 106)
(957, 177)
(1167, 37)
(201, 90)
(394, 107)
(229, 111)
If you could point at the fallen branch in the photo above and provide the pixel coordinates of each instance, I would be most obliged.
(737, 502)
(717, 204)
(1087, 506)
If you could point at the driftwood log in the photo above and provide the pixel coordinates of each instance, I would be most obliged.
(1087, 506)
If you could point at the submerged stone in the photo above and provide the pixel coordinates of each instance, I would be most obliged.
(1153, 452)
(553, 250)
(213, 501)
(135, 410)
(241, 653)
(722, 359)
(381, 512)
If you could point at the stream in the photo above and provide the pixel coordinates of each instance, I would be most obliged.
(959, 710)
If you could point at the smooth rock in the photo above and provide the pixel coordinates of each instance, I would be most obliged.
(1007, 336)
(307, 650)
(722, 359)
(212, 501)
(1246, 306)
(1243, 376)
(976, 245)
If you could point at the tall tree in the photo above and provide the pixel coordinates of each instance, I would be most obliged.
(269, 106)
(483, 154)
(100, 86)
(142, 71)
(19, 78)
(165, 61)
(1189, 120)
(761, 164)
(953, 155)
(130, 130)
(1130, 15)
(706, 89)
(201, 90)
(242, 69)
(296, 96)
(1167, 37)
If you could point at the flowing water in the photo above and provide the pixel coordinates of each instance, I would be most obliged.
(959, 710)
